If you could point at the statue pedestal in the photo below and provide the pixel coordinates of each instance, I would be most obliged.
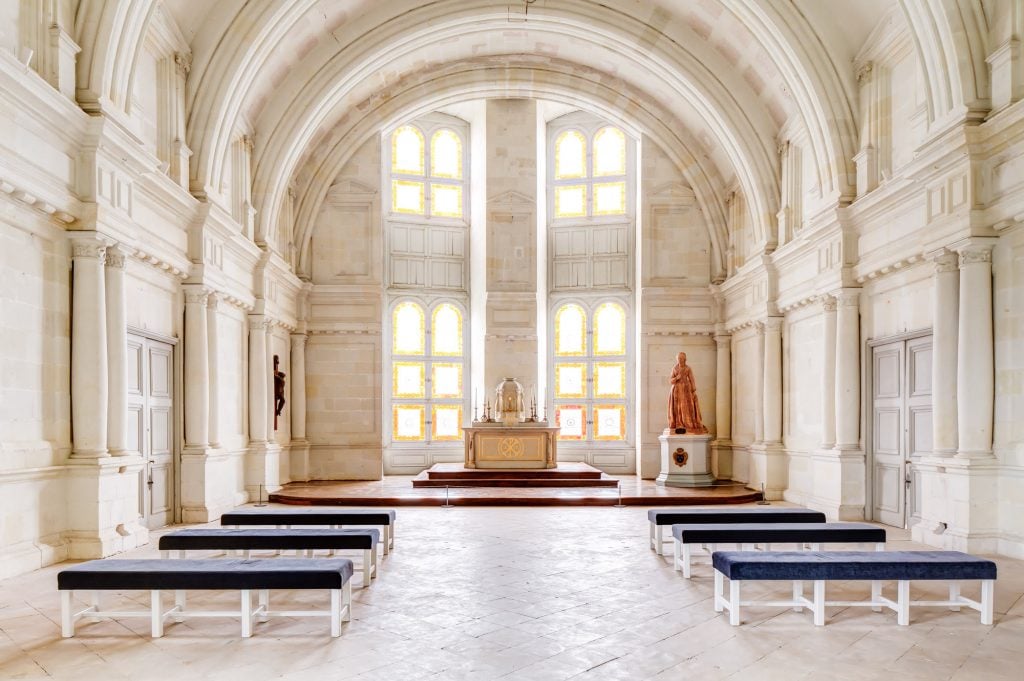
(685, 461)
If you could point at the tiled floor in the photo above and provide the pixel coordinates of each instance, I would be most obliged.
(523, 593)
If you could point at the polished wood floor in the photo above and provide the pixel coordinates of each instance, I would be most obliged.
(397, 490)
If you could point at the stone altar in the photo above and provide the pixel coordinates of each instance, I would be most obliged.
(526, 445)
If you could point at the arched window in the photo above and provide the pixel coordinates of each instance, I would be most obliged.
(412, 185)
(590, 372)
(590, 179)
(427, 370)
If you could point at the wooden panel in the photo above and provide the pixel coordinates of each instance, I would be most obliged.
(920, 361)
(888, 483)
(133, 367)
(888, 377)
(160, 372)
(888, 431)
(136, 428)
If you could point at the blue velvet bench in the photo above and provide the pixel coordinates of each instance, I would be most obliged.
(305, 540)
(815, 534)
(873, 566)
(660, 518)
(156, 575)
(384, 519)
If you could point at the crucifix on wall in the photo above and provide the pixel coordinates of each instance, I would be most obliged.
(278, 389)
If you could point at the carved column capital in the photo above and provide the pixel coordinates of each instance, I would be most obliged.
(828, 303)
(259, 323)
(116, 259)
(975, 254)
(847, 297)
(945, 261)
(83, 249)
(773, 324)
(213, 301)
(299, 340)
(183, 63)
(196, 295)
(723, 341)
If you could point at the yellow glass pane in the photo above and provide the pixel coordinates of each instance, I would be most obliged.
(572, 421)
(446, 155)
(571, 201)
(570, 380)
(610, 422)
(609, 330)
(408, 422)
(408, 331)
(407, 197)
(446, 422)
(570, 155)
(446, 380)
(609, 152)
(446, 200)
(407, 379)
(571, 331)
(446, 338)
(610, 198)
(610, 379)
(407, 151)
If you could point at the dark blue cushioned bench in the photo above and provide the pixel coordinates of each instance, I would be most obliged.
(770, 533)
(659, 518)
(151, 575)
(385, 519)
(292, 539)
(878, 566)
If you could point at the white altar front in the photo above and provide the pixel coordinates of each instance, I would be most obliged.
(526, 445)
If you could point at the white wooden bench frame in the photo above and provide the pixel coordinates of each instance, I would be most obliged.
(817, 604)
(684, 552)
(340, 609)
(368, 566)
(387, 533)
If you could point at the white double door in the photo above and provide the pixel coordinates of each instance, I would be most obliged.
(151, 425)
(901, 427)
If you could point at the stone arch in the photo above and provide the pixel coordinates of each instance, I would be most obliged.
(111, 35)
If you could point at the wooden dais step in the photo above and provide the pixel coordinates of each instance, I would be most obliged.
(567, 474)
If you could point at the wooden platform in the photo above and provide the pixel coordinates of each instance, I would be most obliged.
(397, 490)
(566, 474)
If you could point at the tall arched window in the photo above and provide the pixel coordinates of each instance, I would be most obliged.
(427, 372)
(590, 369)
(590, 176)
(427, 180)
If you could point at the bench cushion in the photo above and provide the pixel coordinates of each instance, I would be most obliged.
(214, 573)
(812, 565)
(269, 538)
(304, 517)
(676, 516)
(777, 532)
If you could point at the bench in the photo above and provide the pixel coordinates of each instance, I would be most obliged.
(155, 576)
(329, 518)
(247, 540)
(873, 566)
(683, 516)
(815, 534)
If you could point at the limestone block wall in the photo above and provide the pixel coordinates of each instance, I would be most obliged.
(746, 368)
(227, 475)
(35, 428)
(802, 364)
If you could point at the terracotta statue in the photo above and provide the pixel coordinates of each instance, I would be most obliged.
(278, 390)
(683, 409)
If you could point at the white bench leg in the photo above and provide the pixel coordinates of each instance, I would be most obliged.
(987, 598)
(768, 546)
(876, 594)
(659, 539)
(819, 602)
(179, 603)
(94, 601)
(165, 554)
(156, 613)
(263, 598)
(387, 539)
(880, 546)
(734, 602)
(815, 546)
(367, 568)
(246, 613)
(954, 595)
(687, 556)
(719, 590)
(798, 594)
(650, 539)
(391, 535)
(67, 619)
(903, 602)
(346, 592)
(335, 613)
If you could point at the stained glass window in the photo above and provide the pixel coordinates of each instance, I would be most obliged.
(407, 151)
(446, 200)
(409, 336)
(446, 380)
(609, 330)
(610, 422)
(408, 379)
(570, 155)
(609, 198)
(407, 197)
(571, 201)
(571, 331)
(572, 420)
(446, 422)
(609, 379)
(407, 422)
(609, 152)
(446, 155)
(570, 380)
(447, 331)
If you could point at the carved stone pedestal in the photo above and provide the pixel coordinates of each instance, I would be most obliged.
(685, 461)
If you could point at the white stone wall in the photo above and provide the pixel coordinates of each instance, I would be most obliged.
(1008, 263)
(802, 364)
(746, 365)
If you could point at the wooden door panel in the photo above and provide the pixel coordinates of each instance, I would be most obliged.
(888, 442)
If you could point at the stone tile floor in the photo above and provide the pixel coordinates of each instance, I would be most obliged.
(531, 594)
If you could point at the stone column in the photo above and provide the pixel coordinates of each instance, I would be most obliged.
(298, 386)
(772, 384)
(945, 319)
(721, 448)
(975, 380)
(847, 395)
(759, 385)
(117, 352)
(828, 372)
(213, 353)
(197, 369)
(89, 375)
(257, 379)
